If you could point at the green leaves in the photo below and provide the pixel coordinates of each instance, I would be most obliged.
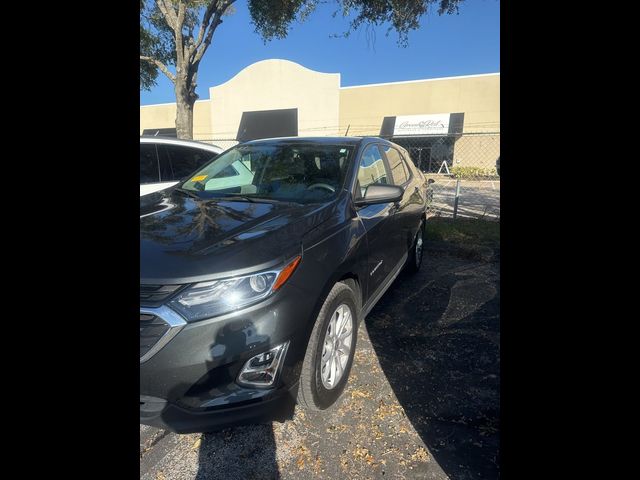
(178, 33)
(156, 41)
(273, 18)
(401, 15)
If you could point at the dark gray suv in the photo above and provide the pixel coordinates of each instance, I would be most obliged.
(251, 295)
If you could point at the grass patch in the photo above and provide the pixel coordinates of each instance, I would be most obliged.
(463, 231)
(474, 172)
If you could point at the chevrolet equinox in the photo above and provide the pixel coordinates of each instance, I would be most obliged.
(252, 294)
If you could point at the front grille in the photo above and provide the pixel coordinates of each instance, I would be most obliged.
(151, 295)
(152, 329)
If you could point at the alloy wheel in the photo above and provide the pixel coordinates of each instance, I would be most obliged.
(336, 347)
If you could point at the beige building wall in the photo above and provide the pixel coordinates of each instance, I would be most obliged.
(277, 84)
(164, 116)
(324, 108)
(478, 96)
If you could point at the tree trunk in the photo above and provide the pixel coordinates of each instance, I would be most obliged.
(185, 99)
(184, 120)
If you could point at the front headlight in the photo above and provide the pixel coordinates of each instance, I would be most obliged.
(210, 299)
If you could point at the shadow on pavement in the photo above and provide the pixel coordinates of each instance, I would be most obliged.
(247, 452)
(436, 338)
(438, 346)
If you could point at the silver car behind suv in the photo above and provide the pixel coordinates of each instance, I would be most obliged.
(164, 161)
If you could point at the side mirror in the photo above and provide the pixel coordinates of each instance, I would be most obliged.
(380, 193)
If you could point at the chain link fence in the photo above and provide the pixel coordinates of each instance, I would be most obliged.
(463, 170)
(223, 143)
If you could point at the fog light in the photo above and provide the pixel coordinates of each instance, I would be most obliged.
(262, 370)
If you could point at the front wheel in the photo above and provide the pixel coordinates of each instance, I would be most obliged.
(329, 356)
(414, 262)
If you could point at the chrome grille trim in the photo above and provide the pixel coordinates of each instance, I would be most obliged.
(171, 318)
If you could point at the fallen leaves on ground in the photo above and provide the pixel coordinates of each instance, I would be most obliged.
(420, 455)
(362, 453)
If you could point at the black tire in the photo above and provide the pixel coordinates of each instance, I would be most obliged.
(312, 393)
(414, 261)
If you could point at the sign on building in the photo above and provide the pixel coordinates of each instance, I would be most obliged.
(421, 125)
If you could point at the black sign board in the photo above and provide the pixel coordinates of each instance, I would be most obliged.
(160, 132)
(455, 126)
(268, 124)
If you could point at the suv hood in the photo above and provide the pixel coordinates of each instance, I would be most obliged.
(184, 240)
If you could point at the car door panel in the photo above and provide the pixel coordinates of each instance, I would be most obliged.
(411, 207)
(149, 166)
(383, 254)
(378, 223)
(417, 198)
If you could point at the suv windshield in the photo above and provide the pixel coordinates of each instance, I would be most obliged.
(303, 173)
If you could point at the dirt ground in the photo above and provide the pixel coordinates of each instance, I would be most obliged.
(422, 400)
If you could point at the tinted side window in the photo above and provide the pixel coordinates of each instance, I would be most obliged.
(182, 161)
(372, 168)
(398, 168)
(148, 163)
(409, 165)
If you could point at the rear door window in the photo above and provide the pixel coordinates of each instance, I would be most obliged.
(409, 164)
(178, 161)
(149, 168)
(399, 171)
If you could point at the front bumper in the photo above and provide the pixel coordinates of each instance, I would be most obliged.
(158, 413)
(189, 384)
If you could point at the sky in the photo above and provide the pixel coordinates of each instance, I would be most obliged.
(443, 46)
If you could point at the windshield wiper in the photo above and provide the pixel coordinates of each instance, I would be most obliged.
(190, 193)
(256, 199)
(235, 196)
(230, 196)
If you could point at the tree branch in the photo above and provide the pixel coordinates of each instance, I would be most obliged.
(202, 45)
(213, 6)
(161, 66)
(169, 14)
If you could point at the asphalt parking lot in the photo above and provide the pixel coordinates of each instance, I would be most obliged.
(422, 400)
